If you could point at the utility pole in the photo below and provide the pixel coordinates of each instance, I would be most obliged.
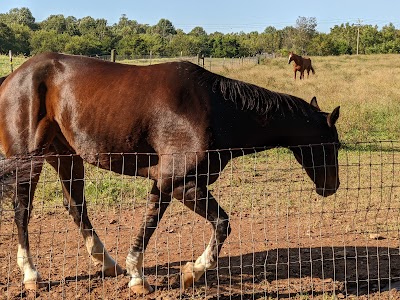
(358, 33)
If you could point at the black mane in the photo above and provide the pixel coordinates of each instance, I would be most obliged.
(248, 96)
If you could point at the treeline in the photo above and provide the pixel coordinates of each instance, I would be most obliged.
(20, 33)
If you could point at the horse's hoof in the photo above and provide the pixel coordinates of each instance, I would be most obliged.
(142, 289)
(34, 285)
(188, 276)
(113, 271)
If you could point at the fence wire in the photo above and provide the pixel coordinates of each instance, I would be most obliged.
(286, 241)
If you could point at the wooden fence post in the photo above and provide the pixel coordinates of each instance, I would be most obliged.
(11, 61)
(113, 55)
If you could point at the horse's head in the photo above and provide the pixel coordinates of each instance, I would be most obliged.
(290, 57)
(319, 156)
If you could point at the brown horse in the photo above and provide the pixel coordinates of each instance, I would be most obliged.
(69, 109)
(301, 64)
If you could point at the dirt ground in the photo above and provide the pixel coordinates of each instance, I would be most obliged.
(266, 256)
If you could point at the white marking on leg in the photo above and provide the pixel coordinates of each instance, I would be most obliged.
(98, 253)
(25, 263)
(134, 263)
(206, 258)
(205, 261)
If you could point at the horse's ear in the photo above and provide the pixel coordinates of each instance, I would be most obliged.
(333, 116)
(314, 103)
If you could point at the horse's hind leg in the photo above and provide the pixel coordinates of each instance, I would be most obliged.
(23, 209)
(157, 205)
(71, 171)
(201, 201)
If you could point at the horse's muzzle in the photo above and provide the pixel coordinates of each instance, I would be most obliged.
(325, 192)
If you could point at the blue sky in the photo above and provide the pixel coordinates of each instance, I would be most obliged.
(224, 16)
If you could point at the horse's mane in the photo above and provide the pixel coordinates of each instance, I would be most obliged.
(247, 96)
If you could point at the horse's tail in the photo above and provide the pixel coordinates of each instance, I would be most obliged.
(312, 69)
(2, 79)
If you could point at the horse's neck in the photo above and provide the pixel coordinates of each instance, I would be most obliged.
(297, 59)
(286, 130)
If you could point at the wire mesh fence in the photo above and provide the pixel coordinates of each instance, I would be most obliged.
(286, 241)
(214, 64)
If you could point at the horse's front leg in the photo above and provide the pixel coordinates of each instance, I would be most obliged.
(158, 203)
(71, 172)
(201, 201)
(23, 209)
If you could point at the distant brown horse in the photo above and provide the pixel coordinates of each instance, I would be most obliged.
(301, 64)
(164, 122)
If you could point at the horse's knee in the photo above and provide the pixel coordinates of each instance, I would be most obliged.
(183, 192)
(165, 185)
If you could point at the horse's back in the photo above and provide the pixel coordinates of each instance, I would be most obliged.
(102, 107)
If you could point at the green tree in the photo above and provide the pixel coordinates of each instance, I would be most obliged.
(187, 45)
(83, 45)
(272, 39)
(154, 43)
(21, 16)
(344, 38)
(97, 31)
(71, 26)
(289, 34)
(225, 46)
(22, 34)
(132, 44)
(54, 22)
(125, 27)
(164, 28)
(390, 39)
(198, 31)
(43, 40)
(251, 43)
(7, 38)
(370, 39)
(199, 41)
(305, 31)
(322, 44)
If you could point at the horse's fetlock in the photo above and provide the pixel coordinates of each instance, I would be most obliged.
(223, 227)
